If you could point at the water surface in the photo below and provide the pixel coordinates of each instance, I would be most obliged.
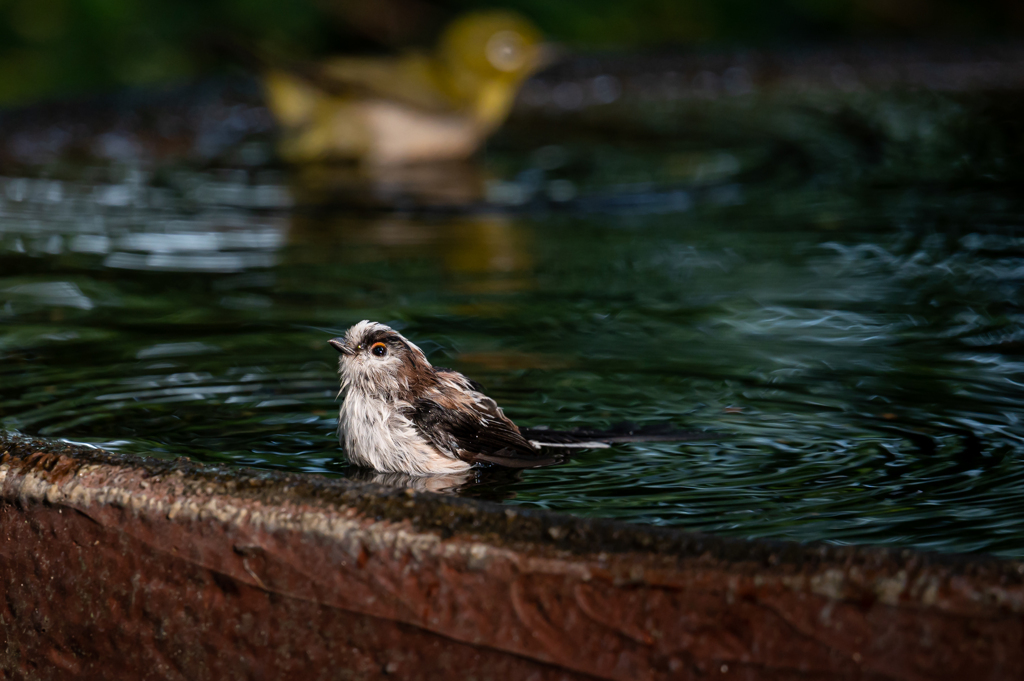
(851, 325)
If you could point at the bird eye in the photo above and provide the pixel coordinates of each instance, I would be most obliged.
(505, 51)
(379, 349)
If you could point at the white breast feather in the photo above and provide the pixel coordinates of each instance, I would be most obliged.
(376, 434)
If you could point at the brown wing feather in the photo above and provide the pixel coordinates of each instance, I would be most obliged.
(471, 426)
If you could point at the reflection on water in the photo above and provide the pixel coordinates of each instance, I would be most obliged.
(353, 186)
(855, 333)
(135, 226)
(431, 483)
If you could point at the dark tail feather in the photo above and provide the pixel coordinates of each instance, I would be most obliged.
(617, 434)
(555, 447)
(521, 461)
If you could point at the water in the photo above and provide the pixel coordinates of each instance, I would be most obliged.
(848, 322)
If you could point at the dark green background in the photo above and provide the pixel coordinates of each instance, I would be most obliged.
(52, 48)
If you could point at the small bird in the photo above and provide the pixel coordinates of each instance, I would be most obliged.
(411, 108)
(400, 414)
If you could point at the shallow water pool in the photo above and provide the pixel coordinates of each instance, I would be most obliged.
(848, 327)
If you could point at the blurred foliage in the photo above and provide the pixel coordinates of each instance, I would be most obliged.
(52, 47)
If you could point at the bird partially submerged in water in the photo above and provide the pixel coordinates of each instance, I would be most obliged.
(410, 108)
(401, 414)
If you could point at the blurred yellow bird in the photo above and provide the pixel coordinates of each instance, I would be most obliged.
(410, 108)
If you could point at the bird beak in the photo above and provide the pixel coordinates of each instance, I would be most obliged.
(340, 346)
(547, 54)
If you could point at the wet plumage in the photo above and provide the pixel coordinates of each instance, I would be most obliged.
(400, 414)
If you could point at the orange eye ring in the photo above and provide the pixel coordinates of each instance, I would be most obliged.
(379, 349)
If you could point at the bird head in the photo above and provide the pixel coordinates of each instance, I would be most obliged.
(379, 361)
(485, 56)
